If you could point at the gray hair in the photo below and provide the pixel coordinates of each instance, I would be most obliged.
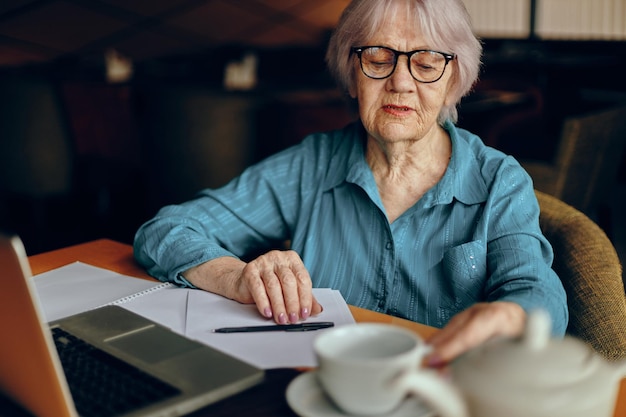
(444, 23)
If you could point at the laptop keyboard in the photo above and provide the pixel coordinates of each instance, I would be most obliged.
(102, 385)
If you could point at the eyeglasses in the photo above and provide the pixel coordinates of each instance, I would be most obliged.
(380, 62)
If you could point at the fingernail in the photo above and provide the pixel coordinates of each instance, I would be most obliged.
(293, 317)
(267, 312)
(305, 313)
(282, 318)
(434, 361)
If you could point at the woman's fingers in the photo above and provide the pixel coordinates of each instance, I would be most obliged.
(474, 326)
(281, 287)
(316, 308)
(285, 299)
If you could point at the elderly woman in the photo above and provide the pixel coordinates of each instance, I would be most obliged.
(401, 211)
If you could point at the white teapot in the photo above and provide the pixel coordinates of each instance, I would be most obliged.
(537, 376)
(367, 369)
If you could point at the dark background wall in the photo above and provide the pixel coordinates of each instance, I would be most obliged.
(94, 159)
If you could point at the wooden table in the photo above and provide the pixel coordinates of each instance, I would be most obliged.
(267, 399)
(118, 257)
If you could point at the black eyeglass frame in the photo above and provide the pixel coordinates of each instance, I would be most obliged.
(358, 50)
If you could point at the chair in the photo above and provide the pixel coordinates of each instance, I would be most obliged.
(35, 148)
(502, 110)
(588, 265)
(36, 158)
(193, 137)
(586, 163)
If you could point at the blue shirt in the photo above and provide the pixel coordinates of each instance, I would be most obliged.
(472, 237)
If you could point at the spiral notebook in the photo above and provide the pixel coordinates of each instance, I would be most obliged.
(79, 287)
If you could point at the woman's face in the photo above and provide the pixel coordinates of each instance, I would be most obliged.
(399, 108)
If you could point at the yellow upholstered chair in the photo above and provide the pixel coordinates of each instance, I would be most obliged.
(591, 272)
(584, 171)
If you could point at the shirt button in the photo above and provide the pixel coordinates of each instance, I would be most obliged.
(389, 245)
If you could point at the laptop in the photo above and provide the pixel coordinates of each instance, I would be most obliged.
(47, 367)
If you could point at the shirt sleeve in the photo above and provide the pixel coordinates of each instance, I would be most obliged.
(519, 256)
(251, 212)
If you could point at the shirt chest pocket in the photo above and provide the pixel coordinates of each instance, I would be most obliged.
(466, 262)
(464, 271)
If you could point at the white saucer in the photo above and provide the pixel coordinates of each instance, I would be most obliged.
(306, 398)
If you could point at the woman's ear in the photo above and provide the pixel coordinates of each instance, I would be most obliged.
(352, 90)
(449, 100)
(453, 82)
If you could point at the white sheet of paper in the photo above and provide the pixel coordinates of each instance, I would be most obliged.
(79, 287)
(206, 312)
(194, 313)
(167, 307)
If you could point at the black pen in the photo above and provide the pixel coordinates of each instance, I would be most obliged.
(298, 327)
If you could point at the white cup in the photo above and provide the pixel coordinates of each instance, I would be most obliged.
(370, 368)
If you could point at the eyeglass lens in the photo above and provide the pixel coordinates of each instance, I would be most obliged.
(425, 66)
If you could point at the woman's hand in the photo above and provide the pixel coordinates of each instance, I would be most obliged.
(277, 282)
(474, 326)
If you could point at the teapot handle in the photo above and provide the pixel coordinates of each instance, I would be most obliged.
(538, 330)
(439, 394)
(621, 369)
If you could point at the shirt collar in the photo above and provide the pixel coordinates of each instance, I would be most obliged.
(348, 162)
(462, 180)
